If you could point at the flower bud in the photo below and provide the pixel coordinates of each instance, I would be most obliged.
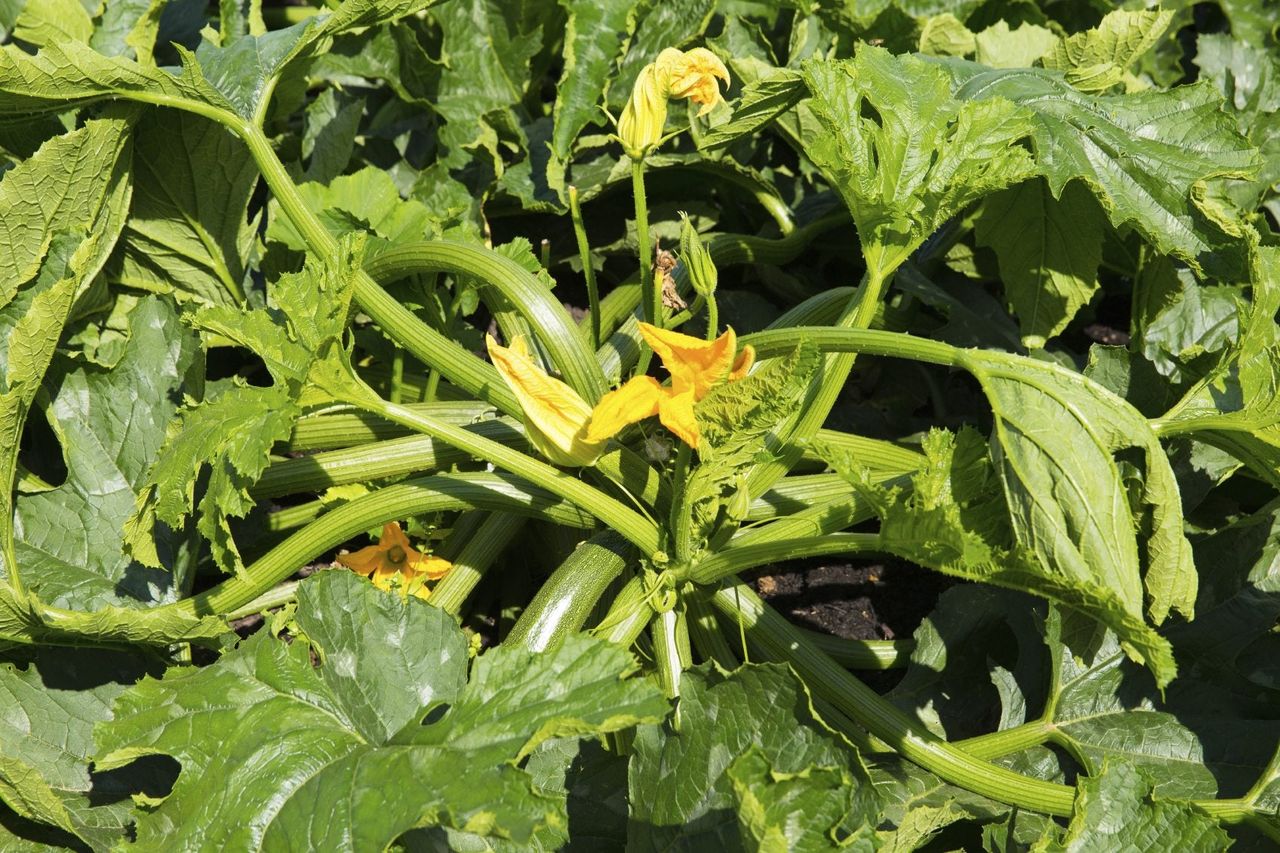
(696, 259)
(645, 115)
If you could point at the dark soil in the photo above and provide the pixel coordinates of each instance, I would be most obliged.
(880, 600)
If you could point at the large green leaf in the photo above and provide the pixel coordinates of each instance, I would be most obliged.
(1103, 709)
(486, 51)
(1097, 59)
(950, 684)
(340, 754)
(68, 73)
(300, 340)
(597, 32)
(1055, 433)
(111, 424)
(1048, 249)
(49, 21)
(1236, 406)
(1233, 635)
(956, 521)
(903, 153)
(46, 740)
(188, 232)
(748, 768)
(1115, 811)
(63, 243)
(1144, 154)
(1248, 76)
(69, 185)
(246, 69)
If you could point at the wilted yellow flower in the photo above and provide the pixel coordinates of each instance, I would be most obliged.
(555, 417)
(394, 561)
(696, 366)
(692, 74)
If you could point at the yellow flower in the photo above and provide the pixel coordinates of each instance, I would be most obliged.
(675, 73)
(696, 366)
(555, 417)
(394, 562)
(693, 75)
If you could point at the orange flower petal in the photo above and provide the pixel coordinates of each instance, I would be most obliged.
(742, 366)
(676, 414)
(636, 400)
(433, 567)
(695, 364)
(363, 562)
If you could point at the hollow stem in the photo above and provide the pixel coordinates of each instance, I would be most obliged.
(588, 271)
(652, 297)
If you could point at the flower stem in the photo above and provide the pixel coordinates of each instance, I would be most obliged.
(652, 297)
(588, 271)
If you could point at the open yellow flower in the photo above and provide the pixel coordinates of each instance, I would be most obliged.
(394, 561)
(693, 74)
(555, 417)
(564, 428)
(696, 366)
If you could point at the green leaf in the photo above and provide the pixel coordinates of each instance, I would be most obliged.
(773, 778)
(268, 706)
(736, 421)
(188, 233)
(1240, 603)
(597, 33)
(333, 120)
(1048, 250)
(1104, 710)
(1115, 810)
(70, 185)
(903, 154)
(955, 521)
(111, 424)
(1236, 406)
(949, 684)
(1248, 76)
(946, 35)
(1097, 59)
(49, 21)
(486, 53)
(128, 25)
(246, 69)
(300, 341)
(763, 100)
(791, 811)
(1055, 433)
(66, 74)
(368, 198)
(1143, 154)
(232, 435)
(46, 740)
(1197, 322)
(1000, 47)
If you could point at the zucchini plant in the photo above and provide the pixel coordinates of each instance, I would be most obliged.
(328, 524)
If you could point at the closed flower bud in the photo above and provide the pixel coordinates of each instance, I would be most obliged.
(696, 259)
(645, 115)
